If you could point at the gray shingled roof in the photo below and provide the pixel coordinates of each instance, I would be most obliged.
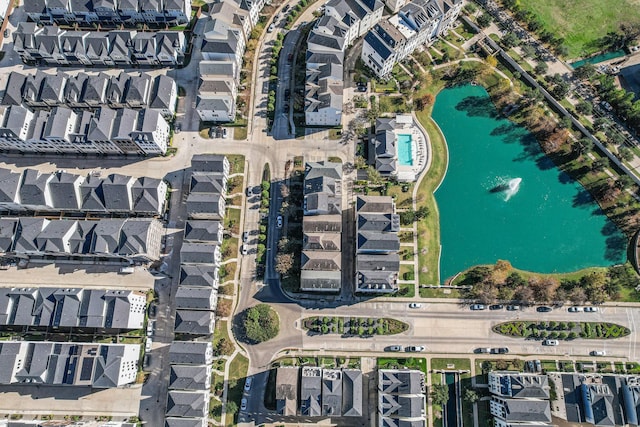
(189, 377)
(194, 322)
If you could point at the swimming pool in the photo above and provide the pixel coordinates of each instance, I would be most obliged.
(405, 157)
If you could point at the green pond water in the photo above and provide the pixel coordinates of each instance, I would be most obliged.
(502, 198)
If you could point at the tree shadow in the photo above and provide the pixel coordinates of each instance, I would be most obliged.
(506, 130)
(478, 106)
(582, 199)
(616, 248)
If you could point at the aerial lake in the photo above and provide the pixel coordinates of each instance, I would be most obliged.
(502, 198)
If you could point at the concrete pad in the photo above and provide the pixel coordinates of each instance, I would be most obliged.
(86, 276)
(69, 400)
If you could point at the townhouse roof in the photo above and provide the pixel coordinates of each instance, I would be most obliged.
(9, 185)
(187, 403)
(202, 231)
(287, 390)
(195, 298)
(205, 203)
(33, 190)
(366, 204)
(198, 275)
(138, 89)
(209, 163)
(352, 384)
(376, 241)
(218, 68)
(116, 190)
(382, 262)
(321, 241)
(75, 88)
(373, 39)
(96, 87)
(13, 90)
(310, 391)
(322, 223)
(189, 377)
(199, 253)
(321, 261)
(331, 392)
(529, 410)
(392, 381)
(163, 87)
(326, 281)
(146, 195)
(190, 352)
(8, 228)
(194, 322)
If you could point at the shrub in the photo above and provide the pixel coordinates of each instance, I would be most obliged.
(260, 323)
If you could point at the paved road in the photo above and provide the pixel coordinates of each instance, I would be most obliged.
(284, 116)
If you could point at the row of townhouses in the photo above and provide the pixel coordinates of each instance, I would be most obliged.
(71, 364)
(189, 384)
(63, 130)
(377, 245)
(401, 398)
(127, 12)
(55, 308)
(95, 90)
(321, 263)
(134, 239)
(196, 298)
(60, 191)
(519, 399)
(323, 392)
(226, 32)
(53, 46)
(343, 21)
(66, 423)
(416, 24)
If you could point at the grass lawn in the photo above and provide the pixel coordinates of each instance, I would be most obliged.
(335, 134)
(229, 248)
(581, 23)
(404, 269)
(400, 362)
(220, 332)
(403, 198)
(232, 220)
(228, 271)
(236, 163)
(240, 133)
(464, 364)
(237, 373)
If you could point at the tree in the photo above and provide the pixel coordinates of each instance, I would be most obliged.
(625, 154)
(585, 72)
(584, 108)
(492, 61)
(374, 175)
(360, 162)
(484, 20)
(471, 396)
(583, 146)
(232, 407)
(260, 323)
(541, 67)
(284, 263)
(510, 40)
(439, 394)
(224, 347)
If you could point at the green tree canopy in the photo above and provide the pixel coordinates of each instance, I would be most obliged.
(260, 323)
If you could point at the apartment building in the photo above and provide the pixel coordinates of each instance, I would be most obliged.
(121, 12)
(55, 308)
(68, 364)
(401, 398)
(358, 15)
(519, 398)
(321, 262)
(417, 23)
(377, 245)
(107, 131)
(53, 46)
(136, 240)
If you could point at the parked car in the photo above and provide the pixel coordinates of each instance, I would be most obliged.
(394, 348)
(550, 342)
(598, 353)
(6, 33)
(513, 307)
(575, 309)
(272, 27)
(243, 404)
(153, 308)
(224, 133)
(247, 383)
(482, 350)
(544, 309)
(477, 307)
(496, 307)
(591, 309)
(245, 236)
(500, 350)
(290, 57)
(245, 250)
(248, 191)
(415, 305)
(279, 219)
(362, 88)
(415, 348)
(148, 344)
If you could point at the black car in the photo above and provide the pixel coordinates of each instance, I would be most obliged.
(362, 88)
(543, 309)
(496, 307)
(500, 350)
(153, 308)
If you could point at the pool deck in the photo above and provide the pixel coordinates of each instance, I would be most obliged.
(419, 151)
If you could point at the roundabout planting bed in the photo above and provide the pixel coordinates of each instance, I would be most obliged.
(354, 326)
(561, 330)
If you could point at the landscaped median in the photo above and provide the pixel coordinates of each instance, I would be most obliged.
(354, 326)
(561, 330)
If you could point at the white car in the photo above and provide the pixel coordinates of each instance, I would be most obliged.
(271, 28)
(550, 342)
(415, 305)
(598, 353)
(148, 344)
(247, 384)
(279, 219)
(243, 404)
(245, 250)
(591, 309)
(575, 309)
